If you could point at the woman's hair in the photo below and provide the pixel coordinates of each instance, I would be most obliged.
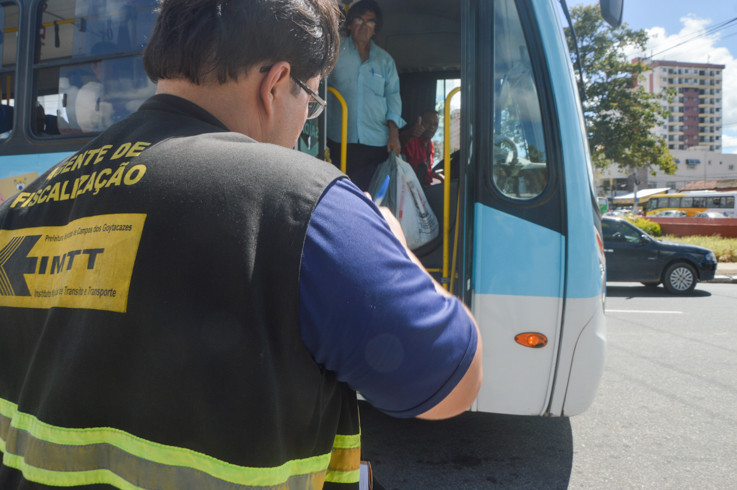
(360, 8)
(203, 40)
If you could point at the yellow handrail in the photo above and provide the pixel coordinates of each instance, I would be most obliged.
(446, 186)
(343, 128)
(453, 273)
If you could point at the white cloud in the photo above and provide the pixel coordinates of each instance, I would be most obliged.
(729, 143)
(700, 48)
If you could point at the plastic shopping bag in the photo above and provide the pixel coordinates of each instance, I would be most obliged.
(406, 200)
(388, 168)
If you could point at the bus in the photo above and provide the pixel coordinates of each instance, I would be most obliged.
(695, 202)
(520, 239)
(627, 201)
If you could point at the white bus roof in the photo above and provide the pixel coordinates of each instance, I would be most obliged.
(627, 198)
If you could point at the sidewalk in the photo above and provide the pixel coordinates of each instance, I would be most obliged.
(726, 272)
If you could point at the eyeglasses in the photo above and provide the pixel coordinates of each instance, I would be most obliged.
(368, 22)
(316, 104)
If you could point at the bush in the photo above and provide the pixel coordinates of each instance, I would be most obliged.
(645, 225)
(724, 248)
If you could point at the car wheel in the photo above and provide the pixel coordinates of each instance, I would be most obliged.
(679, 278)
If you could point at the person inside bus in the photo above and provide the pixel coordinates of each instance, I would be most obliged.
(218, 316)
(366, 76)
(6, 120)
(418, 149)
(44, 124)
(87, 106)
(93, 110)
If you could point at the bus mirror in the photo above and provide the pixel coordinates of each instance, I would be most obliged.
(611, 10)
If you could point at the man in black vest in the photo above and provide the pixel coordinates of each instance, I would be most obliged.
(187, 302)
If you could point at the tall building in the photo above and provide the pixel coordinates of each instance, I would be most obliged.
(696, 111)
(693, 130)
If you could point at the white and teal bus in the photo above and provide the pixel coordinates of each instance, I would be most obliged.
(520, 237)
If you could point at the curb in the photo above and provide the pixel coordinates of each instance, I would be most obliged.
(724, 279)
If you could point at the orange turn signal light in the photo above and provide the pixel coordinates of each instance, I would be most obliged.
(531, 339)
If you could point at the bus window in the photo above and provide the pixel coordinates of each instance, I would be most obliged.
(674, 202)
(687, 202)
(309, 140)
(442, 89)
(9, 47)
(699, 202)
(520, 168)
(728, 202)
(88, 69)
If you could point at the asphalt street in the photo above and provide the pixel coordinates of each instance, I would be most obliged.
(664, 416)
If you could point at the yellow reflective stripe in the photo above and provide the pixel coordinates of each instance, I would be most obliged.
(352, 440)
(48, 477)
(72, 456)
(345, 460)
(343, 476)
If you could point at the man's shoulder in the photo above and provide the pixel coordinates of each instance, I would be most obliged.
(237, 153)
(231, 145)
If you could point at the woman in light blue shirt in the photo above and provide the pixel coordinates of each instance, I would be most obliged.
(367, 78)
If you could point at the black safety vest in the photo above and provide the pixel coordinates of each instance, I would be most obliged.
(149, 333)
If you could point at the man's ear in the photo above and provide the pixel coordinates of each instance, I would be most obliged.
(276, 80)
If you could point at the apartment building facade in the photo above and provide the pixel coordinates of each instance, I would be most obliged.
(693, 130)
(696, 111)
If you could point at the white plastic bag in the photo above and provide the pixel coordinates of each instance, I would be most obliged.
(407, 201)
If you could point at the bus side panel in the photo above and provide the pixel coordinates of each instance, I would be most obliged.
(582, 338)
(37, 162)
(587, 353)
(17, 171)
(517, 288)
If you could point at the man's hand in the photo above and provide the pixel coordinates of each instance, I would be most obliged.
(393, 143)
(418, 128)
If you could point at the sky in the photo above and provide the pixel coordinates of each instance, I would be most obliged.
(671, 22)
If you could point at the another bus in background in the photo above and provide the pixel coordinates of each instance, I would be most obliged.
(694, 202)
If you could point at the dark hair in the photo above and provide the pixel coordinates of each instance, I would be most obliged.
(200, 39)
(360, 8)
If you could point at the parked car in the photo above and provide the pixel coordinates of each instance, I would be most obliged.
(634, 256)
(671, 213)
(710, 214)
(618, 212)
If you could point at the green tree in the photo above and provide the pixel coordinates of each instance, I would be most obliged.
(619, 114)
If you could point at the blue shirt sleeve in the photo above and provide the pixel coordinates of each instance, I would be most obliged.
(371, 315)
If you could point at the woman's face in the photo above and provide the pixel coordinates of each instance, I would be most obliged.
(363, 27)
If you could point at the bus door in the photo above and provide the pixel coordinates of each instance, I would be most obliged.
(515, 124)
(518, 220)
